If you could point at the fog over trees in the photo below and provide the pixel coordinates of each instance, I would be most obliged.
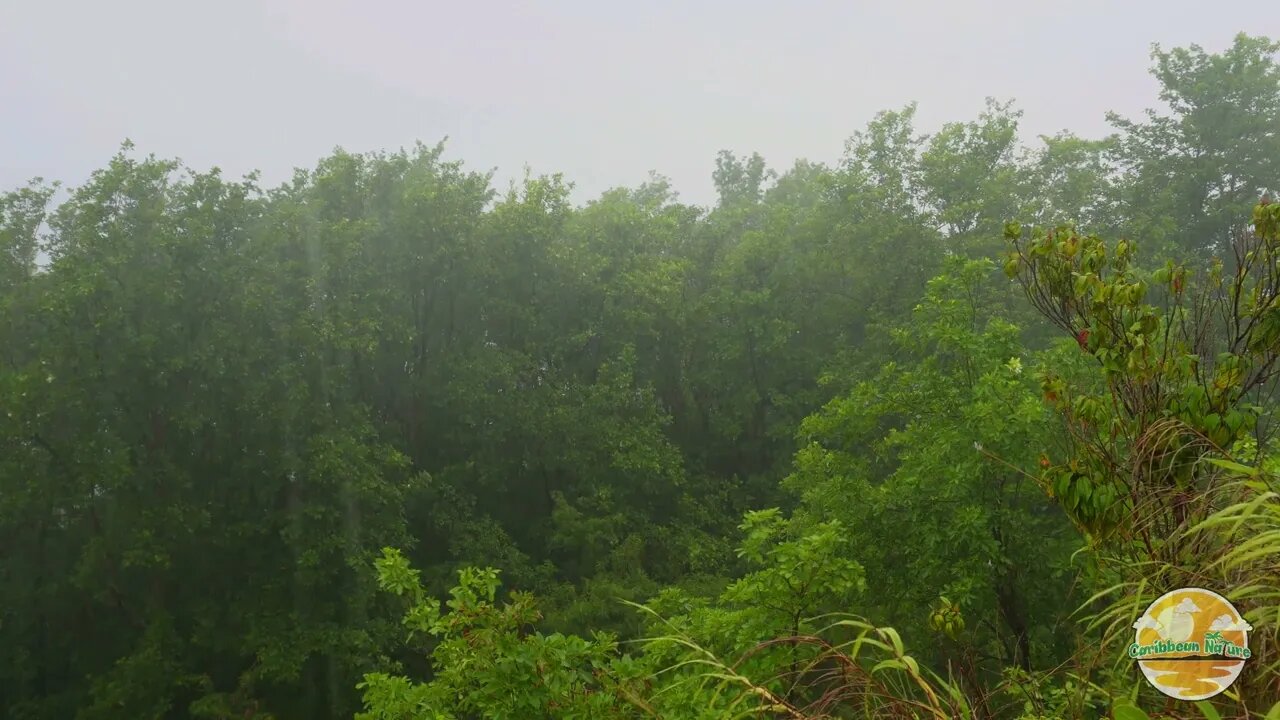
(915, 432)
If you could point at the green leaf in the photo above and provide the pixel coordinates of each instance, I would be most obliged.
(889, 664)
(1125, 711)
(1209, 711)
(1234, 466)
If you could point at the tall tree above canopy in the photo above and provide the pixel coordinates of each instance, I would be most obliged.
(1076, 180)
(886, 155)
(973, 178)
(740, 180)
(1196, 171)
(22, 212)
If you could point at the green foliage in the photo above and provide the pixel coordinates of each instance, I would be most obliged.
(792, 578)
(220, 403)
(1150, 476)
(1181, 377)
(946, 501)
(485, 661)
(1193, 174)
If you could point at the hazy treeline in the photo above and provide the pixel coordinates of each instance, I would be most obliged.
(219, 402)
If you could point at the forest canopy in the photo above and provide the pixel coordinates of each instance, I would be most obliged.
(916, 433)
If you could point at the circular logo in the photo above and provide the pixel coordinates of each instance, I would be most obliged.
(1191, 643)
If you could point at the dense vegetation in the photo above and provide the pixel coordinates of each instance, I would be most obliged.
(806, 453)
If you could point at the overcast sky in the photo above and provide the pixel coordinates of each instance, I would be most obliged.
(602, 91)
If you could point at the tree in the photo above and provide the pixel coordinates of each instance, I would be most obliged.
(218, 402)
(188, 498)
(1194, 173)
(930, 465)
(1187, 386)
(971, 176)
(485, 661)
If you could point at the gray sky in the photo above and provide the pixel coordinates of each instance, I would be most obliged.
(602, 91)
